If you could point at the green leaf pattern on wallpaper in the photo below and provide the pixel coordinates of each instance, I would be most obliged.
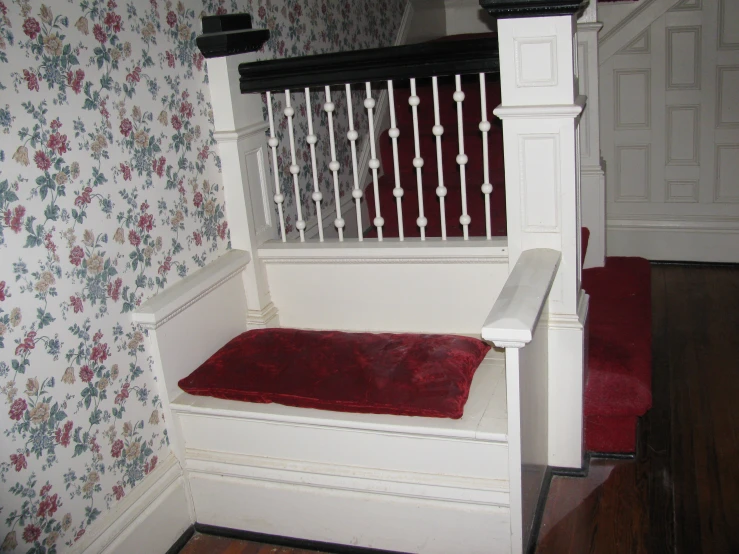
(110, 190)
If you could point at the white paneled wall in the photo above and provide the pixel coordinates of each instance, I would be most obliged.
(669, 78)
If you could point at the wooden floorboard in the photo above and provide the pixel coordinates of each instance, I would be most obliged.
(681, 492)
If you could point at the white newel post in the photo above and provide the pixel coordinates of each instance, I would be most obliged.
(541, 110)
(247, 178)
(593, 177)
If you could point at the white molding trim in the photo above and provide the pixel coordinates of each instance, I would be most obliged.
(261, 319)
(684, 223)
(631, 26)
(541, 111)
(241, 133)
(393, 251)
(155, 504)
(468, 490)
(168, 303)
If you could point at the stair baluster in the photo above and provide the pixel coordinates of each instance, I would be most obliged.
(374, 163)
(294, 167)
(273, 143)
(414, 101)
(462, 157)
(311, 139)
(334, 164)
(352, 135)
(487, 188)
(438, 131)
(394, 133)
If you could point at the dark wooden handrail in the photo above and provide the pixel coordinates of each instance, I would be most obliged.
(429, 59)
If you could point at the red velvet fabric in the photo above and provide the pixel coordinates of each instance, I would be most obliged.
(619, 380)
(401, 374)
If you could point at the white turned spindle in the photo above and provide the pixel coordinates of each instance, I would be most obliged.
(462, 157)
(352, 135)
(438, 131)
(273, 143)
(294, 168)
(394, 133)
(414, 101)
(374, 163)
(487, 187)
(333, 164)
(311, 139)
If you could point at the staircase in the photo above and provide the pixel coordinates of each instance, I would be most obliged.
(473, 148)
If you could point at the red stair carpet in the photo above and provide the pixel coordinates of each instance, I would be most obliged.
(619, 381)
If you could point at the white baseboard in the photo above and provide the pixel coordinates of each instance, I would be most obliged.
(149, 519)
(690, 239)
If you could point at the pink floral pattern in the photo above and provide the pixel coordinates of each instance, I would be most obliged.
(110, 190)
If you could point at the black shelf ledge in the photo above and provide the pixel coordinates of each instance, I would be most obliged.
(430, 59)
(224, 35)
(501, 9)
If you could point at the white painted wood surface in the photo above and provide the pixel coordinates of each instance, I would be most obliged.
(149, 519)
(412, 286)
(518, 308)
(540, 111)
(670, 119)
(514, 323)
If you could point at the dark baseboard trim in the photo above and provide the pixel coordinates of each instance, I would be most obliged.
(613, 455)
(180, 543)
(732, 265)
(541, 504)
(277, 540)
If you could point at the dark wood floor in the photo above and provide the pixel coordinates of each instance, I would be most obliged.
(681, 493)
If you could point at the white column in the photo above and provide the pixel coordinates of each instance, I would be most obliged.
(247, 177)
(540, 111)
(593, 180)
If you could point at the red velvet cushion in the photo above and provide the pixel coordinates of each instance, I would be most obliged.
(401, 374)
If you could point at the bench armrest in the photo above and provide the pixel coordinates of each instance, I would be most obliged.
(516, 312)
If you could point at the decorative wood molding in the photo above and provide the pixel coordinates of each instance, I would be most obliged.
(724, 19)
(673, 223)
(243, 133)
(171, 302)
(687, 6)
(672, 135)
(540, 112)
(157, 498)
(502, 9)
(672, 81)
(675, 191)
(469, 490)
(640, 45)
(726, 95)
(644, 195)
(619, 105)
(626, 30)
(719, 194)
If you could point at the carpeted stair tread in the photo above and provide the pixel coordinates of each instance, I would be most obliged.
(619, 379)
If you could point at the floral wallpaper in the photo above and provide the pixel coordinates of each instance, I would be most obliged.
(110, 191)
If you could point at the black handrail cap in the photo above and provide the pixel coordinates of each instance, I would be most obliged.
(228, 34)
(501, 9)
(226, 22)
